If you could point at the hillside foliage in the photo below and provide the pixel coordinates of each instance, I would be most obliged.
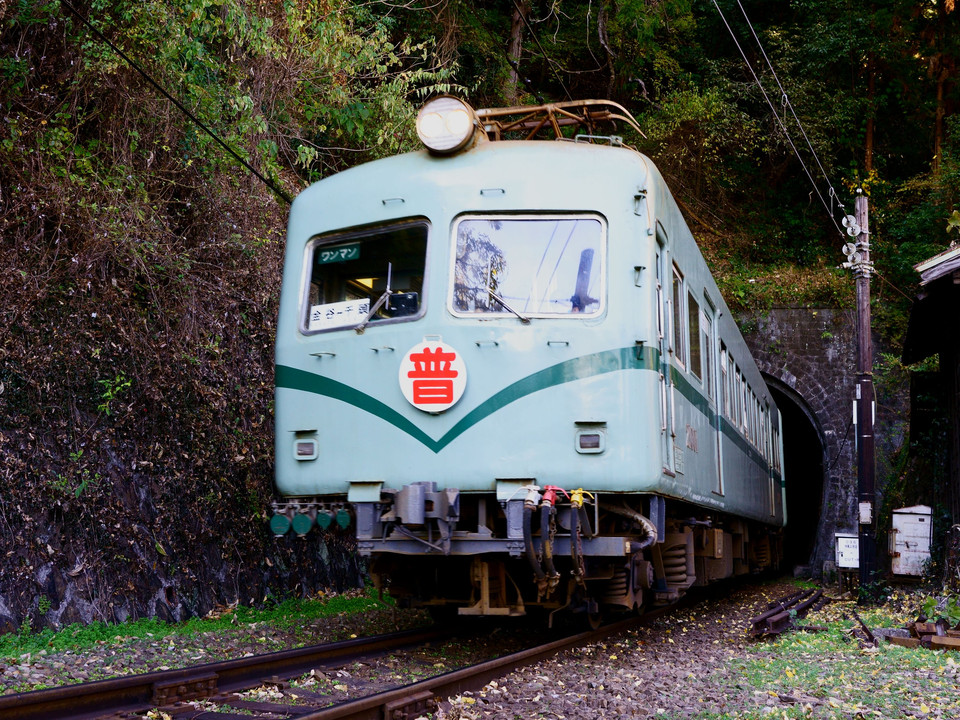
(140, 262)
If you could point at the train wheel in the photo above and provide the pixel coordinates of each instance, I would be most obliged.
(594, 619)
(592, 613)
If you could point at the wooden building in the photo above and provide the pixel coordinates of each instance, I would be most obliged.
(935, 329)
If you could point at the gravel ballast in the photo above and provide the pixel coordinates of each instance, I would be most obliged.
(697, 662)
(678, 666)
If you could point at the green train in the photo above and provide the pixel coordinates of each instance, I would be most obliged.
(504, 364)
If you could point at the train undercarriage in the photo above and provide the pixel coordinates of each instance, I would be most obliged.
(530, 549)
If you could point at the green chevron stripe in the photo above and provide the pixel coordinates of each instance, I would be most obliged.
(628, 358)
(293, 379)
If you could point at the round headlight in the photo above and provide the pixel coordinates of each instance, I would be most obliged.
(446, 124)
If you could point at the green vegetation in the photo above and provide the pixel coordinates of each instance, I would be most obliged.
(831, 675)
(290, 613)
(945, 607)
(142, 267)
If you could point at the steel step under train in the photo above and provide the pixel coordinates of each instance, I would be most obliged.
(503, 362)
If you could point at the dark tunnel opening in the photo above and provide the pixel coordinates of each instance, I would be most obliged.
(804, 473)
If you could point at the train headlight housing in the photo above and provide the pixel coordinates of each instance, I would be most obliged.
(446, 124)
(590, 442)
(306, 449)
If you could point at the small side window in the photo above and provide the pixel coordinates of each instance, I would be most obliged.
(724, 388)
(706, 338)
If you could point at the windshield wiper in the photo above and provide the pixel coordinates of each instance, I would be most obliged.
(385, 298)
(523, 318)
(490, 292)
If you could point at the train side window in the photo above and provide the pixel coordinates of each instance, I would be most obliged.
(776, 447)
(693, 315)
(759, 424)
(734, 394)
(744, 406)
(741, 398)
(660, 314)
(679, 330)
(758, 432)
(706, 334)
(370, 276)
(529, 266)
(766, 433)
(709, 343)
(724, 389)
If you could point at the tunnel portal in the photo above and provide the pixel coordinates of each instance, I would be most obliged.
(803, 461)
(808, 358)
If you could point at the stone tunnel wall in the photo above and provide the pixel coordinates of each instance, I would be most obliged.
(810, 354)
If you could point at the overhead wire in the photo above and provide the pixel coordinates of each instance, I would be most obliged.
(786, 100)
(275, 188)
(873, 271)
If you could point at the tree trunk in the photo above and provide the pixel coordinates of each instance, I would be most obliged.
(447, 45)
(942, 65)
(871, 105)
(605, 41)
(938, 123)
(521, 11)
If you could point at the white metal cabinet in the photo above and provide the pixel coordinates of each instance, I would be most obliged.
(910, 540)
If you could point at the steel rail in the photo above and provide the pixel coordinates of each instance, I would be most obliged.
(220, 682)
(135, 693)
(780, 614)
(411, 700)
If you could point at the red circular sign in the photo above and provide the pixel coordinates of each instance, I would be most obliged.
(432, 376)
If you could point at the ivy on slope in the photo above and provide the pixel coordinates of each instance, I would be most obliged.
(139, 277)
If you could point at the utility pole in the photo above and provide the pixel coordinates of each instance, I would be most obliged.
(858, 258)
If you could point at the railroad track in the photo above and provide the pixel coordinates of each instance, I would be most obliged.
(780, 614)
(215, 691)
(132, 696)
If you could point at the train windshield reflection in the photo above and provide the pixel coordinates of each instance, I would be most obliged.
(529, 266)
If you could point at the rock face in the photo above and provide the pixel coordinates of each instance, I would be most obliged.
(66, 564)
(136, 429)
(168, 541)
(808, 357)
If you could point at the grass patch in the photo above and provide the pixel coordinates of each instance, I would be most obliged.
(830, 675)
(290, 613)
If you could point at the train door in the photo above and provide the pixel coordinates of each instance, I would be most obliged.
(723, 411)
(666, 410)
(776, 463)
(709, 342)
(768, 456)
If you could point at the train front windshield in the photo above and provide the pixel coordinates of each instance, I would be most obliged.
(528, 266)
(366, 276)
